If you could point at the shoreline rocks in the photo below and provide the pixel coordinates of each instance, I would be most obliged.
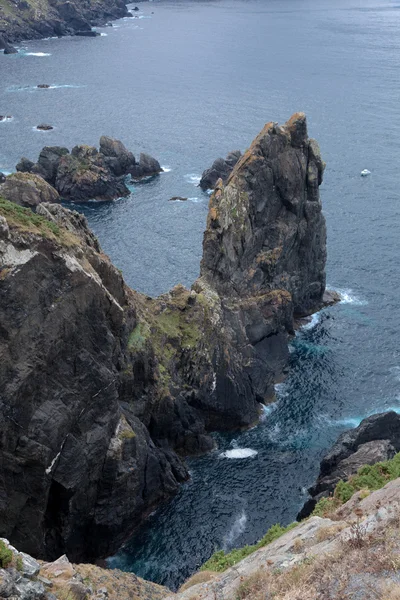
(220, 169)
(27, 189)
(376, 439)
(86, 173)
(56, 19)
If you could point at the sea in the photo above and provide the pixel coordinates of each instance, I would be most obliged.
(188, 81)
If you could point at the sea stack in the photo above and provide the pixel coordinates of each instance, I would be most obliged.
(104, 388)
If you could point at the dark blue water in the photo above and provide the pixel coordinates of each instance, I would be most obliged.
(191, 82)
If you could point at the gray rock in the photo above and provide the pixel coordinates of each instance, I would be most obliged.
(147, 167)
(30, 567)
(122, 160)
(220, 169)
(25, 165)
(7, 584)
(27, 189)
(376, 439)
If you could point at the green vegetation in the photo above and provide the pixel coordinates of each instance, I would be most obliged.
(18, 563)
(220, 561)
(6, 555)
(367, 479)
(138, 337)
(25, 219)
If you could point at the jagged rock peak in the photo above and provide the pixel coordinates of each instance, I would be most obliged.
(265, 228)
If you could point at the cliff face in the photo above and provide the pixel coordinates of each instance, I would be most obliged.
(29, 19)
(100, 385)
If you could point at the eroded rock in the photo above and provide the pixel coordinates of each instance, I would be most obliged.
(27, 189)
(220, 169)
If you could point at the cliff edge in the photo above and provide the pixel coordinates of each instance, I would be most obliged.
(103, 389)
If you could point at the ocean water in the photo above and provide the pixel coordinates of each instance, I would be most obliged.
(188, 82)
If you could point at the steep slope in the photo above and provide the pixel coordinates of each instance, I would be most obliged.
(29, 19)
(100, 386)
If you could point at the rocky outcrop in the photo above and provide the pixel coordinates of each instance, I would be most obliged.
(24, 578)
(6, 47)
(376, 439)
(102, 386)
(27, 189)
(220, 169)
(147, 167)
(77, 467)
(353, 554)
(87, 173)
(23, 20)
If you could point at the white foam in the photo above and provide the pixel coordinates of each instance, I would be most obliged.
(166, 169)
(237, 529)
(40, 54)
(280, 390)
(194, 199)
(193, 178)
(103, 34)
(239, 453)
(315, 319)
(365, 172)
(267, 410)
(7, 120)
(347, 297)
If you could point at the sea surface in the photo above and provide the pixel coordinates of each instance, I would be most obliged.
(188, 81)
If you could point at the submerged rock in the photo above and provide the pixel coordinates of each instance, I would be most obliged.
(376, 439)
(44, 127)
(220, 169)
(43, 86)
(27, 189)
(115, 385)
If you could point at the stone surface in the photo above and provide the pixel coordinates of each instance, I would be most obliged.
(220, 169)
(312, 540)
(87, 173)
(147, 167)
(55, 19)
(376, 439)
(116, 383)
(27, 189)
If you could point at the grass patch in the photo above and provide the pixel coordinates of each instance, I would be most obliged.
(367, 479)
(220, 561)
(138, 337)
(6, 555)
(24, 218)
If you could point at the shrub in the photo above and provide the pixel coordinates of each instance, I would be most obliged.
(220, 561)
(6, 555)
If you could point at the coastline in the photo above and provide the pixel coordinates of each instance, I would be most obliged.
(27, 22)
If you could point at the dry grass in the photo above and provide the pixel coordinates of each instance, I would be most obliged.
(361, 568)
(200, 577)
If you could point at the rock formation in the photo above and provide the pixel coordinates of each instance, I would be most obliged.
(27, 189)
(101, 385)
(220, 169)
(376, 439)
(22, 20)
(87, 173)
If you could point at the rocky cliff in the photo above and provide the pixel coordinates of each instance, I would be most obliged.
(29, 19)
(101, 387)
(376, 439)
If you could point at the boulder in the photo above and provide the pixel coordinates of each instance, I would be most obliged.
(25, 165)
(44, 127)
(118, 158)
(147, 167)
(47, 164)
(220, 169)
(43, 86)
(376, 439)
(4, 45)
(27, 189)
